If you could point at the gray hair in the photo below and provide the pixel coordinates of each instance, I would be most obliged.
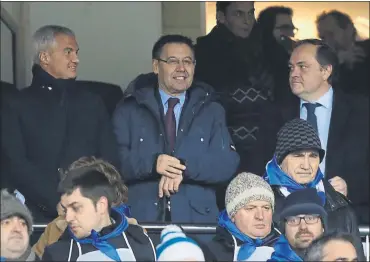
(44, 38)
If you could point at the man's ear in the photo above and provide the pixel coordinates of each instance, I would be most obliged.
(155, 66)
(102, 205)
(220, 17)
(327, 71)
(44, 57)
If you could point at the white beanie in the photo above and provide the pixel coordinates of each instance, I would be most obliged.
(245, 188)
(175, 246)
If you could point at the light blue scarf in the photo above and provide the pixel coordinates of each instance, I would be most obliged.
(100, 242)
(283, 251)
(249, 244)
(276, 177)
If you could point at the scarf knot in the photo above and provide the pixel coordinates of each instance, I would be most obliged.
(249, 245)
(276, 177)
(101, 242)
(283, 251)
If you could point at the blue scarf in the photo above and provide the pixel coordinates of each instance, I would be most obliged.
(283, 251)
(100, 242)
(275, 176)
(249, 244)
(125, 209)
(2, 259)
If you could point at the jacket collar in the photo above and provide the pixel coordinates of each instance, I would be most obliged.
(41, 78)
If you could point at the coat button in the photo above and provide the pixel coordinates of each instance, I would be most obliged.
(202, 139)
(141, 140)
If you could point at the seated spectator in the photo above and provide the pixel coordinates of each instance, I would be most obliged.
(295, 166)
(16, 228)
(245, 231)
(176, 246)
(98, 231)
(56, 228)
(297, 235)
(335, 246)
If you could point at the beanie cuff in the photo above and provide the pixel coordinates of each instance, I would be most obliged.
(307, 208)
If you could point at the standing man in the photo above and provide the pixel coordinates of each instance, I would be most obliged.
(337, 29)
(231, 59)
(173, 141)
(52, 123)
(341, 121)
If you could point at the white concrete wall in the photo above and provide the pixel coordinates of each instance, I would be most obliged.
(115, 38)
(6, 51)
(186, 18)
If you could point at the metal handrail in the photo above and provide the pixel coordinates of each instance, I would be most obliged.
(199, 228)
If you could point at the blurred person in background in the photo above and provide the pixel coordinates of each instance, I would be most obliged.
(337, 29)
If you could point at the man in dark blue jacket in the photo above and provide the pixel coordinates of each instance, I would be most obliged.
(173, 142)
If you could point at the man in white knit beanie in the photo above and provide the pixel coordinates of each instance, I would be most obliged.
(176, 246)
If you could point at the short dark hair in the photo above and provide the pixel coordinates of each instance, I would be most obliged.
(222, 6)
(315, 251)
(170, 39)
(92, 183)
(325, 55)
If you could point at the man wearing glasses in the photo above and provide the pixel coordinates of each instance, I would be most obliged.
(173, 142)
(302, 220)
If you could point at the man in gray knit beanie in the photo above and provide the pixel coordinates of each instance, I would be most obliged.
(246, 224)
(16, 228)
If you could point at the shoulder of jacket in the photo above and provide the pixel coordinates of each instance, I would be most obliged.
(137, 232)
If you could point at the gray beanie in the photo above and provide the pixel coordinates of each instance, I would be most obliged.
(245, 188)
(11, 206)
(295, 135)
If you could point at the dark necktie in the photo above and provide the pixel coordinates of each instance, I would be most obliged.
(311, 117)
(170, 122)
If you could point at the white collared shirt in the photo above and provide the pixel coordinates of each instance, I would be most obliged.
(323, 116)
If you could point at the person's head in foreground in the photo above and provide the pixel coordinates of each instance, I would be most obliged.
(303, 219)
(16, 228)
(86, 198)
(249, 204)
(334, 246)
(176, 246)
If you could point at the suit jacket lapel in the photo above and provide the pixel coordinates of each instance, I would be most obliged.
(338, 120)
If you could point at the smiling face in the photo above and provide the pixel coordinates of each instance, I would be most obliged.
(175, 68)
(301, 166)
(255, 219)
(61, 60)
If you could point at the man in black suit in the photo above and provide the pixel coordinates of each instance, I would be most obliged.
(341, 120)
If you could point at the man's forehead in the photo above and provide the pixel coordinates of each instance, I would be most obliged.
(283, 19)
(303, 53)
(64, 40)
(177, 50)
(75, 196)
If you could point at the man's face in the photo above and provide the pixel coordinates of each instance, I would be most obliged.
(300, 236)
(336, 37)
(307, 78)
(175, 76)
(14, 237)
(255, 219)
(283, 26)
(81, 214)
(239, 18)
(337, 250)
(301, 166)
(61, 60)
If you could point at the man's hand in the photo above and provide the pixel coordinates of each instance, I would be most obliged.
(169, 166)
(339, 185)
(168, 185)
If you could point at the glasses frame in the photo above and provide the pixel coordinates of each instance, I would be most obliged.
(305, 218)
(178, 61)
